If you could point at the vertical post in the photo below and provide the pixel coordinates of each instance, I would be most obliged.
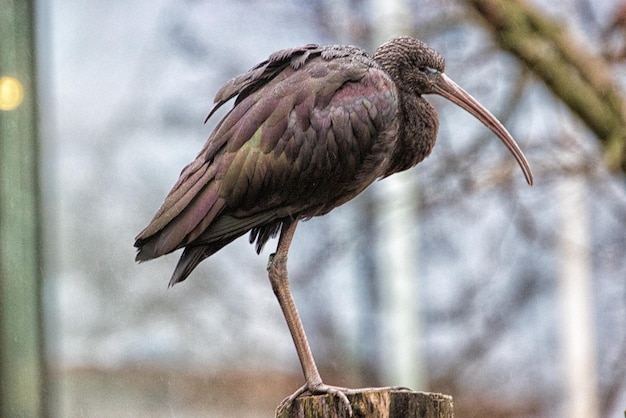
(368, 403)
(575, 294)
(21, 365)
(398, 258)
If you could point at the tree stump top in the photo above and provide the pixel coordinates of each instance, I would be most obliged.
(379, 403)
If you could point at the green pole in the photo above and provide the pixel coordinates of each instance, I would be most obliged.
(21, 335)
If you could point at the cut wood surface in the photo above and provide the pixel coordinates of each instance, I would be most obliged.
(380, 403)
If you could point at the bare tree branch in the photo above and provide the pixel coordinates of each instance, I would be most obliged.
(582, 79)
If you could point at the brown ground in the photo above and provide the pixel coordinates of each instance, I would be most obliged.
(138, 393)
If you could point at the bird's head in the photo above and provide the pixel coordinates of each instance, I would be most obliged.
(411, 63)
(417, 69)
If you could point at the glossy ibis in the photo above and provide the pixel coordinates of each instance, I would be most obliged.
(311, 128)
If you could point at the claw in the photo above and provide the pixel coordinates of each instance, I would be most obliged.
(321, 389)
(286, 403)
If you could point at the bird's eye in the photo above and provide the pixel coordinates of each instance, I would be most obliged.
(426, 69)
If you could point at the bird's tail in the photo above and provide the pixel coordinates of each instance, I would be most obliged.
(191, 257)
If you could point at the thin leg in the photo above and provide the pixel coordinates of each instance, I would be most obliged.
(277, 271)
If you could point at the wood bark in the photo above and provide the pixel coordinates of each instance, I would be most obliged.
(379, 403)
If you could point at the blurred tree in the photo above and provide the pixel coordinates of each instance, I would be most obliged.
(583, 79)
(580, 77)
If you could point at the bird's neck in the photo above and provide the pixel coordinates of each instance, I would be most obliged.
(417, 132)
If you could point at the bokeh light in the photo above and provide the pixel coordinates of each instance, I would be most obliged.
(11, 93)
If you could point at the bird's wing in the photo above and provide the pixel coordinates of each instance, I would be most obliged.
(302, 127)
(245, 84)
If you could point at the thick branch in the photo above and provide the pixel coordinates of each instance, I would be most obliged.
(580, 78)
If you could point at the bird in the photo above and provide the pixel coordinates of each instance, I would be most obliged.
(311, 127)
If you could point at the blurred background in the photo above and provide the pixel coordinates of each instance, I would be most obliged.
(456, 277)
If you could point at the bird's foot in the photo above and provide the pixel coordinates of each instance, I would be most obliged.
(321, 389)
(318, 389)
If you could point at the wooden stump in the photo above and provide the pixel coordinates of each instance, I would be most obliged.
(380, 403)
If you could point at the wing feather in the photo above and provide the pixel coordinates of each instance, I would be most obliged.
(304, 126)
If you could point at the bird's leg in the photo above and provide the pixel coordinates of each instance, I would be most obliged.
(277, 271)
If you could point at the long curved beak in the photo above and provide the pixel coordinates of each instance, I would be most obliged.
(447, 88)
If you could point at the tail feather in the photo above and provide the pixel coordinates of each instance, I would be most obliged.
(189, 260)
(192, 256)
